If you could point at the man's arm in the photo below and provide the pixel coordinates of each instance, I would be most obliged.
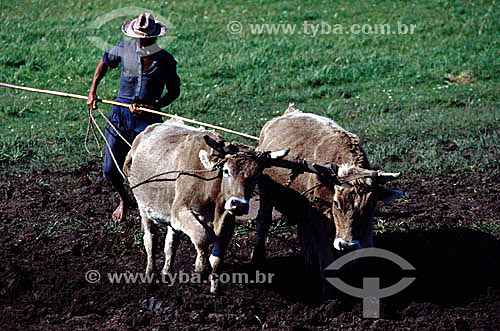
(99, 73)
(173, 86)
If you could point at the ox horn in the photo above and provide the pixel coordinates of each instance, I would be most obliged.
(279, 154)
(217, 146)
(384, 177)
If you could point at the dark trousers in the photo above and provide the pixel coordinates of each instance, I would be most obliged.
(129, 125)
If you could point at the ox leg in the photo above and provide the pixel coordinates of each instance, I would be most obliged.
(171, 245)
(263, 222)
(224, 229)
(317, 250)
(187, 222)
(148, 239)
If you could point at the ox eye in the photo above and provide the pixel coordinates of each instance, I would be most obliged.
(225, 172)
(336, 204)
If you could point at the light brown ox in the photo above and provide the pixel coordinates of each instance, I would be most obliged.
(201, 205)
(336, 205)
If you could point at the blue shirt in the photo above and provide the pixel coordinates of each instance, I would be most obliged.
(146, 87)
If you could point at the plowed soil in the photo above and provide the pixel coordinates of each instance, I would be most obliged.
(56, 226)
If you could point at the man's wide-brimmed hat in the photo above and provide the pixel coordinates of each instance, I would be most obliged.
(144, 26)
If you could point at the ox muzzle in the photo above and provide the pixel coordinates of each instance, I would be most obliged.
(346, 246)
(237, 206)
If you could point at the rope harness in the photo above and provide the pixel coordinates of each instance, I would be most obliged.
(93, 126)
(262, 158)
(179, 173)
(152, 179)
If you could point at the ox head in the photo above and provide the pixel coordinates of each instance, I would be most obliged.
(355, 195)
(240, 168)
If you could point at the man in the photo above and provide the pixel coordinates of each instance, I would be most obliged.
(146, 70)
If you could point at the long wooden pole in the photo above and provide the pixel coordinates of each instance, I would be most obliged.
(82, 97)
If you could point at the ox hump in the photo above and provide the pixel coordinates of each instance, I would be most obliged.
(177, 123)
(291, 109)
(319, 120)
(309, 121)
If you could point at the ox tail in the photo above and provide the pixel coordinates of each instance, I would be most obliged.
(127, 163)
(135, 144)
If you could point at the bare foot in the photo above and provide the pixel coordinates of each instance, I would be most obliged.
(120, 212)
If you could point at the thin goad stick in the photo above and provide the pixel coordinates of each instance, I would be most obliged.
(76, 96)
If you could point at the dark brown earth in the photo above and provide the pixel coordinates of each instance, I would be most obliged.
(55, 226)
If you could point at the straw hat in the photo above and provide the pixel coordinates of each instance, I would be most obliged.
(144, 26)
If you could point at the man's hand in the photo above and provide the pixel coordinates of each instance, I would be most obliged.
(99, 73)
(134, 108)
(92, 101)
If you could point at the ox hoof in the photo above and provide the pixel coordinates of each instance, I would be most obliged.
(258, 257)
(214, 284)
(214, 261)
(202, 270)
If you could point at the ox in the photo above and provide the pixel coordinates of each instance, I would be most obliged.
(334, 204)
(200, 197)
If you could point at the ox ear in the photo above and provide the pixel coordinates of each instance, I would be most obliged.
(321, 169)
(205, 159)
(217, 146)
(326, 174)
(331, 169)
(387, 195)
(230, 148)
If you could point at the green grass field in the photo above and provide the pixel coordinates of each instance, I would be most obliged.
(425, 104)
(406, 96)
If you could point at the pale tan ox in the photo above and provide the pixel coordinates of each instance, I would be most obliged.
(333, 206)
(201, 205)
